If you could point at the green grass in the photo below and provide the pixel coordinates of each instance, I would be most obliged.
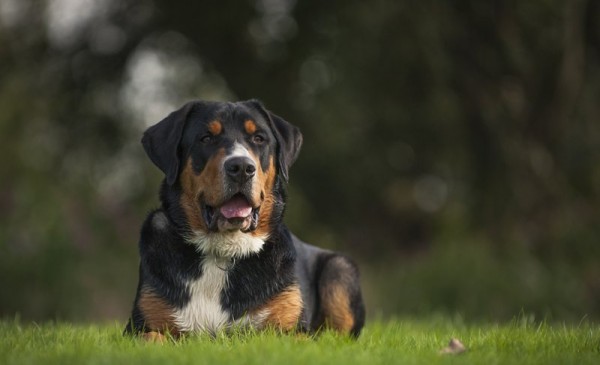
(407, 341)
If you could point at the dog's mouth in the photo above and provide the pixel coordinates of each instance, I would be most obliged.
(236, 213)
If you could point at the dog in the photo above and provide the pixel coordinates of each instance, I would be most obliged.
(216, 254)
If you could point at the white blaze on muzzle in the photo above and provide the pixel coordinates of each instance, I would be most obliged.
(238, 151)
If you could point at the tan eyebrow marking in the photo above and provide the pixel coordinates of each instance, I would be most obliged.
(215, 127)
(250, 126)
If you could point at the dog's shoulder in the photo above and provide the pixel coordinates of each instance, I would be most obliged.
(163, 252)
(156, 224)
(157, 235)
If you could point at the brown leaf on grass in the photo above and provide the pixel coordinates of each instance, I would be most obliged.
(455, 347)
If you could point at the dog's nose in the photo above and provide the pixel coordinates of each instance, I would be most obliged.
(240, 169)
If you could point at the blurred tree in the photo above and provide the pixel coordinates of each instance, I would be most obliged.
(463, 107)
(425, 123)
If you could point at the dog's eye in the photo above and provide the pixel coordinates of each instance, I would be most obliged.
(206, 139)
(258, 139)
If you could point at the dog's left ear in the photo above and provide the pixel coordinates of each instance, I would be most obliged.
(288, 136)
(161, 142)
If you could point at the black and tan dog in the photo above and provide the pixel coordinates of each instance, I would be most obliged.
(217, 254)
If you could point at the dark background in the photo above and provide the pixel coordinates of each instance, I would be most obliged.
(452, 147)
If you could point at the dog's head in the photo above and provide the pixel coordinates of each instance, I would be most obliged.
(224, 161)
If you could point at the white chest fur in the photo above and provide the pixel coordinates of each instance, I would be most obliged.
(204, 313)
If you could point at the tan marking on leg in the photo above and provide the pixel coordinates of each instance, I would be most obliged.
(215, 127)
(336, 307)
(158, 314)
(250, 126)
(283, 310)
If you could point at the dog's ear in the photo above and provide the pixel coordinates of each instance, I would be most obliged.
(161, 142)
(288, 137)
(289, 142)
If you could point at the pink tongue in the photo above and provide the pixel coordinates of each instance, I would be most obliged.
(237, 207)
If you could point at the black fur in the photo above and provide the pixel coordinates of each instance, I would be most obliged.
(168, 261)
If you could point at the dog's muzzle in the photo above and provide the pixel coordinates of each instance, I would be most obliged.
(236, 213)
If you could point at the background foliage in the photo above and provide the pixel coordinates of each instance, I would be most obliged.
(451, 147)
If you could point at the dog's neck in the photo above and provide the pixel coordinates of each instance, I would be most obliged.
(226, 245)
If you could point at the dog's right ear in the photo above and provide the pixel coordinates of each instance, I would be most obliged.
(161, 142)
